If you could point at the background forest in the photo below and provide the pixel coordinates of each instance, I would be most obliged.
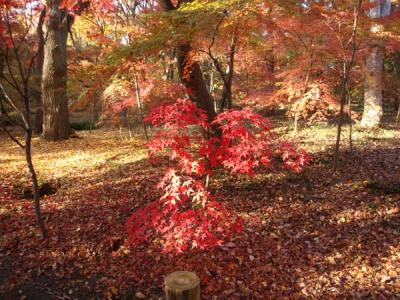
(253, 142)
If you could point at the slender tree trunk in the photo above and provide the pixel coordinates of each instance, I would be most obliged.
(397, 74)
(2, 108)
(398, 116)
(170, 67)
(40, 34)
(92, 116)
(351, 121)
(227, 92)
(38, 65)
(340, 123)
(305, 89)
(373, 96)
(212, 87)
(140, 106)
(37, 74)
(296, 123)
(231, 65)
(36, 195)
(270, 59)
(28, 157)
(54, 78)
(346, 65)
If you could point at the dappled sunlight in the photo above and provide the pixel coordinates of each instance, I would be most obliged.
(364, 215)
(322, 136)
(356, 277)
(253, 144)
(88, 154)
(314, 233)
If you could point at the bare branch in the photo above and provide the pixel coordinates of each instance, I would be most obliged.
(211, 55)
(8, 116)
(10, 71)
(12, 103)
(13, 138)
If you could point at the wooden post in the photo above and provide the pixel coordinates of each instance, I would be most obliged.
(182, 285)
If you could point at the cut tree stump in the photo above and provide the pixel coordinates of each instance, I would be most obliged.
(182, 285)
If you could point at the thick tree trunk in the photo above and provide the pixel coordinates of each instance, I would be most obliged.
(192, 79)
(373, 96)
(190, 72)
(54, 78)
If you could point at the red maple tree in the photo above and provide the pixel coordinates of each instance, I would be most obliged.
(187, 216)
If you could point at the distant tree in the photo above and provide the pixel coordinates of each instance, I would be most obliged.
(373, 89)
(59, 18)
(57, 24)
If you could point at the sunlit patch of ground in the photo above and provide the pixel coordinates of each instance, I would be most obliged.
(89, 153)
(318, 234)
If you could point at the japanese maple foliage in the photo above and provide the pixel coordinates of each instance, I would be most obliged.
(187, 216)
(245, 141)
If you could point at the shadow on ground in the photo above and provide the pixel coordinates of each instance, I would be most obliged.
(316, 234)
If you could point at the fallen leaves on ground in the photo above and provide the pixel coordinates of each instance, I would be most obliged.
(316, 234)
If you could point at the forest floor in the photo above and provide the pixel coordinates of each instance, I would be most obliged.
(317, 234)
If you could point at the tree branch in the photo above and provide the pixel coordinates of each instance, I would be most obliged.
(12, 103)
(13, 138)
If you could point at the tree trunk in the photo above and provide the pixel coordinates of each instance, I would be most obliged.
(190, 72)
(227, 92)
(345, 73)
(54, 78)
(182, 285)
(140, 106)
(2, 108)
(38, 66)
(170, 67)
(38, 122)
(373, 96)
(270, 60)
(192, 79)
(351, 121)
(36, 196)
(41, 38)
